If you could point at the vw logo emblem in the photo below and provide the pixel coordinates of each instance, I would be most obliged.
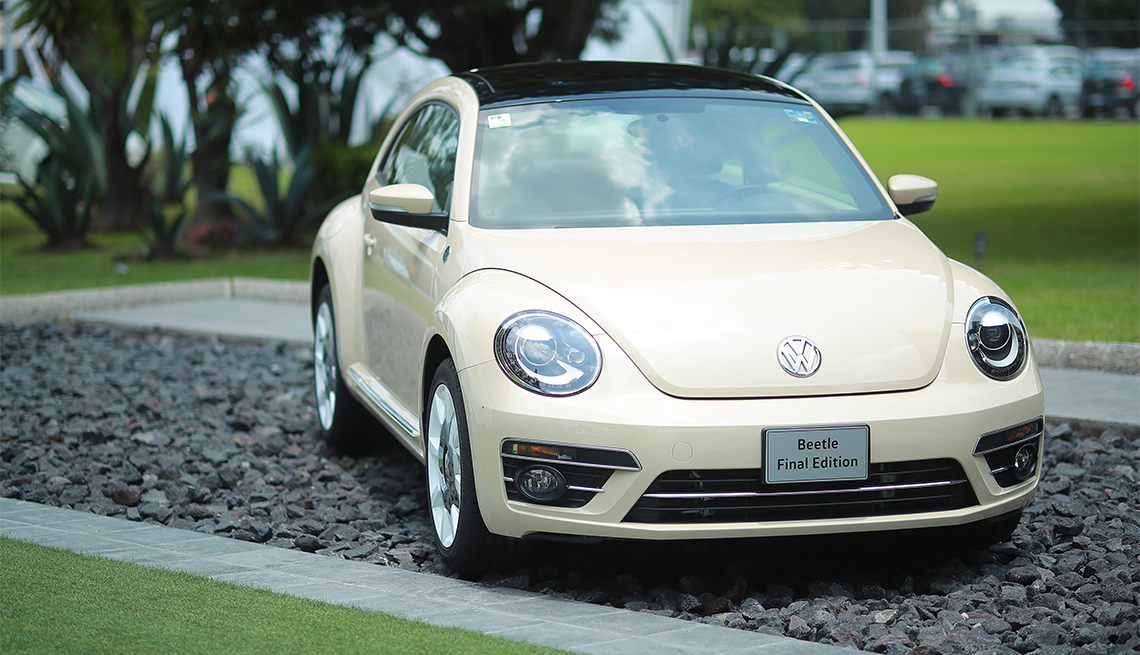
(799, 356)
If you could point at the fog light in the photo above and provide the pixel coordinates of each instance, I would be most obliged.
(1025, 462)
(540, 483)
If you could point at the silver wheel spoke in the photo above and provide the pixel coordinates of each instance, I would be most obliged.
(443, 465)
(325, 366)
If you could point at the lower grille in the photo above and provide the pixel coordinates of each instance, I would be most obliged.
(741, 495)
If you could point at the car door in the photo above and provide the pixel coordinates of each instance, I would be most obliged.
(1071, 79)
(400, 281)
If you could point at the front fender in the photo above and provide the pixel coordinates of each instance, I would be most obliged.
(969, 285)
(339, 250)
(471, 311)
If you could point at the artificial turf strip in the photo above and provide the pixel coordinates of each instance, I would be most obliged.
(56, 601)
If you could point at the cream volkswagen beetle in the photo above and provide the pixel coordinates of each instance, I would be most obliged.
(606, 300)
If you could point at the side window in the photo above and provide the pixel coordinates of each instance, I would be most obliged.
(424, 154)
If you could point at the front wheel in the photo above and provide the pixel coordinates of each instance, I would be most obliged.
(345, 423)
(460, 534)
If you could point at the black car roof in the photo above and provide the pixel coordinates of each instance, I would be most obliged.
(521, 83)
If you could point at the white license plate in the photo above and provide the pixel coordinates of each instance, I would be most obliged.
(816, 454)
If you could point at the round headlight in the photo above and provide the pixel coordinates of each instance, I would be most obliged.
(998, 342)
(547, 353)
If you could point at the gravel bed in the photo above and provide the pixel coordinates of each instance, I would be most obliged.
(221, 438)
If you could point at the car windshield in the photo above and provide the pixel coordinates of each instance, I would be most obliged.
(665, 161)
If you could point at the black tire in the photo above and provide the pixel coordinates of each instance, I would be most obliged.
(888, 105)
(344, 422)
(457, 525)
(1054, 108)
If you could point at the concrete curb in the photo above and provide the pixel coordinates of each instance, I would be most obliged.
(1107, 356)
(37, 307)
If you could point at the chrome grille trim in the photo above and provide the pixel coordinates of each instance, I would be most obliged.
(570, 487)
(547, 460)
(726, 496)
(773, 494)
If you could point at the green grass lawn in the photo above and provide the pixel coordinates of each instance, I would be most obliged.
(114, 260)
(60, 602)
(1059, 202)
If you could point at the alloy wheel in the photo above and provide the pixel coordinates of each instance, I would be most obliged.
(325, 366)
(444, 470)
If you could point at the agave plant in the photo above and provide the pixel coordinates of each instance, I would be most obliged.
(172, 180)
(285, 210)
(159, 233)
(72, 179)
(60, 203)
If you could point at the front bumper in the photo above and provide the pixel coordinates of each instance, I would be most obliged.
(941, 422)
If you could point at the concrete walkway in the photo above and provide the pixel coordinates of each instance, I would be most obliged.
(508, 613)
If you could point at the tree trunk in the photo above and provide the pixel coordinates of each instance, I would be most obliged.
(123, 205)
(213, 131)
(211, 161)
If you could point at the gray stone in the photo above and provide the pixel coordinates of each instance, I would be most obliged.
(340, 532)
(798, 628)
(308, 543)
(128, 496)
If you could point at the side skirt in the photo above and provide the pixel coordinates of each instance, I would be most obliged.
(396, 416)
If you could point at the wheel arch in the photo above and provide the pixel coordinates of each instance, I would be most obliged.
(336, 261)
(435, 354)
(318, 278)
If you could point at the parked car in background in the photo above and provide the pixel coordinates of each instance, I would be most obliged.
(1112, 83)
(842, 81)
(934, 82)
(1039, 81)
(649, 301)
(942, 84)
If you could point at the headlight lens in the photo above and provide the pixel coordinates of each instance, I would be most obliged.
(997, 339)
(547, 353)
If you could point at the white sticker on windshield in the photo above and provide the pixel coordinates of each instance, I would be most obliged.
(498, 120)
(801, 116)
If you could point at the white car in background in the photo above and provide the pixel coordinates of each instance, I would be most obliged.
(1039, 82)
(841, 81)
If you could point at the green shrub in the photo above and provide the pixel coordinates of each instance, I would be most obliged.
(342, 168)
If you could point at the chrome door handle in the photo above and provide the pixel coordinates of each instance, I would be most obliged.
(369, 244)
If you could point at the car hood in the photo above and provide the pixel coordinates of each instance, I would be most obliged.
(702, 310)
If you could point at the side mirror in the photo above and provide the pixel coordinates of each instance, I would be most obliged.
(912, 194)
(409, 205)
